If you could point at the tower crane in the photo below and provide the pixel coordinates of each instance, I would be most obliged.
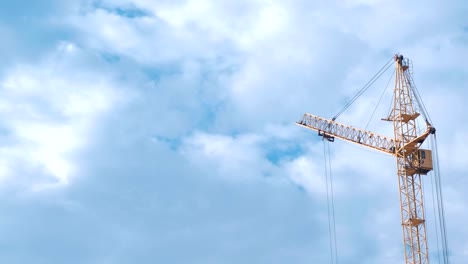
(412, 161)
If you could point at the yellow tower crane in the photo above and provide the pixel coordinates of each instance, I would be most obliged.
(412, 161)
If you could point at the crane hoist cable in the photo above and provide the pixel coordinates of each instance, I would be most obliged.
(330, 203)
(366, 86)
(440, 202)
(435, 210)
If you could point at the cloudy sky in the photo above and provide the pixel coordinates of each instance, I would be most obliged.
(137, 131)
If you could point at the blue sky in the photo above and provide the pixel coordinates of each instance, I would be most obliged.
(138, 131)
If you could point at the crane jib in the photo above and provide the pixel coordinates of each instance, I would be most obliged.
(329, 129)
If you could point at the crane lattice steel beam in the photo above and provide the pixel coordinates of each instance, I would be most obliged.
(330, 129)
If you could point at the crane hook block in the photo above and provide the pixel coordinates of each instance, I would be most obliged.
(325, 136)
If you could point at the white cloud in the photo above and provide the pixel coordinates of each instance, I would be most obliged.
(295, 57)
(242, 22)
(49, 111)
(293, 54)
(284, 59)
(306, 172)
(232, 158)
(245, 157)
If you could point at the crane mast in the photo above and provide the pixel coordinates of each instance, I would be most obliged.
(409, 181)
(412, 161)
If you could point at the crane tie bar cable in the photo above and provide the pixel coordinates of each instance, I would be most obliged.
(366, 86)
(440, 203)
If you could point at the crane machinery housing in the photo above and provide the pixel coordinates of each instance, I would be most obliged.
(412, 161)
